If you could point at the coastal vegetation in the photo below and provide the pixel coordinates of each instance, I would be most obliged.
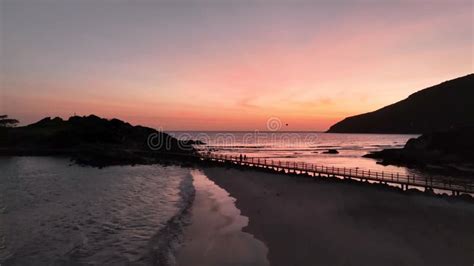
(7, 122)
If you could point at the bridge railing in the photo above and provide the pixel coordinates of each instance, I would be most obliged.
(367, 174)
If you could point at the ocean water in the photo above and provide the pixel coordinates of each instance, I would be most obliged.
(306, 147)
(54, 213)
(309, 147)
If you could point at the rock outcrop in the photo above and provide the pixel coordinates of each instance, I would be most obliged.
(440, 148)
(92, 140)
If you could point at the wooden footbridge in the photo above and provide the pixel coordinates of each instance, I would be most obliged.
(456, 186)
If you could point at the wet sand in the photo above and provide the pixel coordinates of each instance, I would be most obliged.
(307, 222)
(214, 236)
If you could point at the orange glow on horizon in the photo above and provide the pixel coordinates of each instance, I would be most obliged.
(226, 73)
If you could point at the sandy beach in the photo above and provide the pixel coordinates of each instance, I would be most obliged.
(214, 236)
(307, 222)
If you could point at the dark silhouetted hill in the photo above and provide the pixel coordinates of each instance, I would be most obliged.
(445, 106)
(91, 140)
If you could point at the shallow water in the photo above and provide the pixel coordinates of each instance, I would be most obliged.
(53, 213)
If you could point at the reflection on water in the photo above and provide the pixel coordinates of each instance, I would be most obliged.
(308, 147)
(52, 213)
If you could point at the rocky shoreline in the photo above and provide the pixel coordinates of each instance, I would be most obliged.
(452, 149)
(93, 141)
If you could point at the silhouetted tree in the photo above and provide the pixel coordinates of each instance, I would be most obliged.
(7, 122)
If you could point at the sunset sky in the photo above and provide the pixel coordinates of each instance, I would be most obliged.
(226, 65)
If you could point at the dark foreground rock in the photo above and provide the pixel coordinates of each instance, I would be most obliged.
(442, 148)
(93, 141)
(331, 151)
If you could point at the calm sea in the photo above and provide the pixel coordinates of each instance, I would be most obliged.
(53, 213)
(306, 147)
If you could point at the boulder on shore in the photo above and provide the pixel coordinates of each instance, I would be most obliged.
(331, 151)
(454, 146)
